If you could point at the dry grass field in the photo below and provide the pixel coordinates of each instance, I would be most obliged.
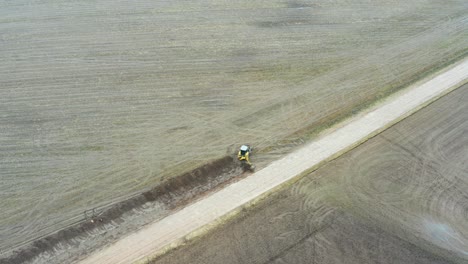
(102, 100)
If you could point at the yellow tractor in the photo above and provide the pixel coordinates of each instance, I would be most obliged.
(244, 157)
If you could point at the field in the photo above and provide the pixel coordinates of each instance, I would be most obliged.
(398, 198)
(101, 101)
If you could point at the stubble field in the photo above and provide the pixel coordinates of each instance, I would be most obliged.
(99, 101)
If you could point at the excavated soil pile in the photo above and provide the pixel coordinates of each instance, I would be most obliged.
(172, 193)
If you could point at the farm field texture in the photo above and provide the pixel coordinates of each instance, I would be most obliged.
(99, 101)
(400, 197)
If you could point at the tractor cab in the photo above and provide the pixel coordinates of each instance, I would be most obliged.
(244, 157)
(243, 150)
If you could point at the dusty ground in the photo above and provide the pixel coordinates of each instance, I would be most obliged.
(99, 101)
(400, 197)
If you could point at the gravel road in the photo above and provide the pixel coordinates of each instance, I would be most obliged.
(202, 215)
(400, 197)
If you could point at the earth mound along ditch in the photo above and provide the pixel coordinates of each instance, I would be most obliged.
(172, 193)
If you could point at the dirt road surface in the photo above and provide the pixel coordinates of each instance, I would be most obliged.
(400, 197)
(173, 229)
